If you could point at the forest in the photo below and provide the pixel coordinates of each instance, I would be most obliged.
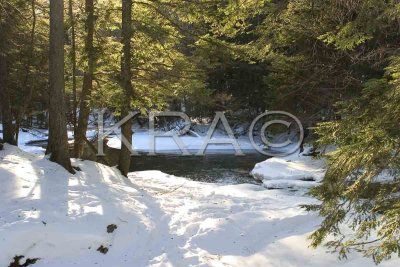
(72, 68)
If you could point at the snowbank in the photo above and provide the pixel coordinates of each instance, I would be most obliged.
(295, 170)
(161, 220)
(61, 218)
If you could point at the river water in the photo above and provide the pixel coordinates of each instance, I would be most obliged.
(221, 167)
(212, 168)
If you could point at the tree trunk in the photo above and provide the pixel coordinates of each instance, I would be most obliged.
(58, 139)
(5, 96)
(26, 86)
(73, 60)
(84, 109)
(126, 81)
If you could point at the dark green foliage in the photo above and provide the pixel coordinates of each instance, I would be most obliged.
(323, 51)
(338, 61)
(353, 193)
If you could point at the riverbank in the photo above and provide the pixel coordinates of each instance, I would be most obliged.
(32, 140)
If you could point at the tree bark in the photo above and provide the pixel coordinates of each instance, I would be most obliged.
(126, 82)
(73, 59)
(5, 95)
(58, 139)
(27, 87)
(84, 109)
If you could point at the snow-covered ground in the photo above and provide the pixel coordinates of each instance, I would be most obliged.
(27, 136)
(161, 220)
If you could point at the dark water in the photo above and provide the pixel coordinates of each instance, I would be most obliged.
(214, 168)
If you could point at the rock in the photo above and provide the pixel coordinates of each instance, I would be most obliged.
(16, 262)
(76, 168)
(111, 228)
(103, 249)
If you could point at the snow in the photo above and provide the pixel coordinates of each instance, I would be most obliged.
(166, 144)
(25, 137)
(141, 141)
(295, 170)
(28, 135)
(162, 220)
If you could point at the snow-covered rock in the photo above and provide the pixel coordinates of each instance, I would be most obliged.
(295, 170)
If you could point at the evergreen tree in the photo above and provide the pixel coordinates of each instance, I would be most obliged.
(360, 192)
(361, 187)
(126, 83)
(87, 86)
(7, 10)
(58, 140)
